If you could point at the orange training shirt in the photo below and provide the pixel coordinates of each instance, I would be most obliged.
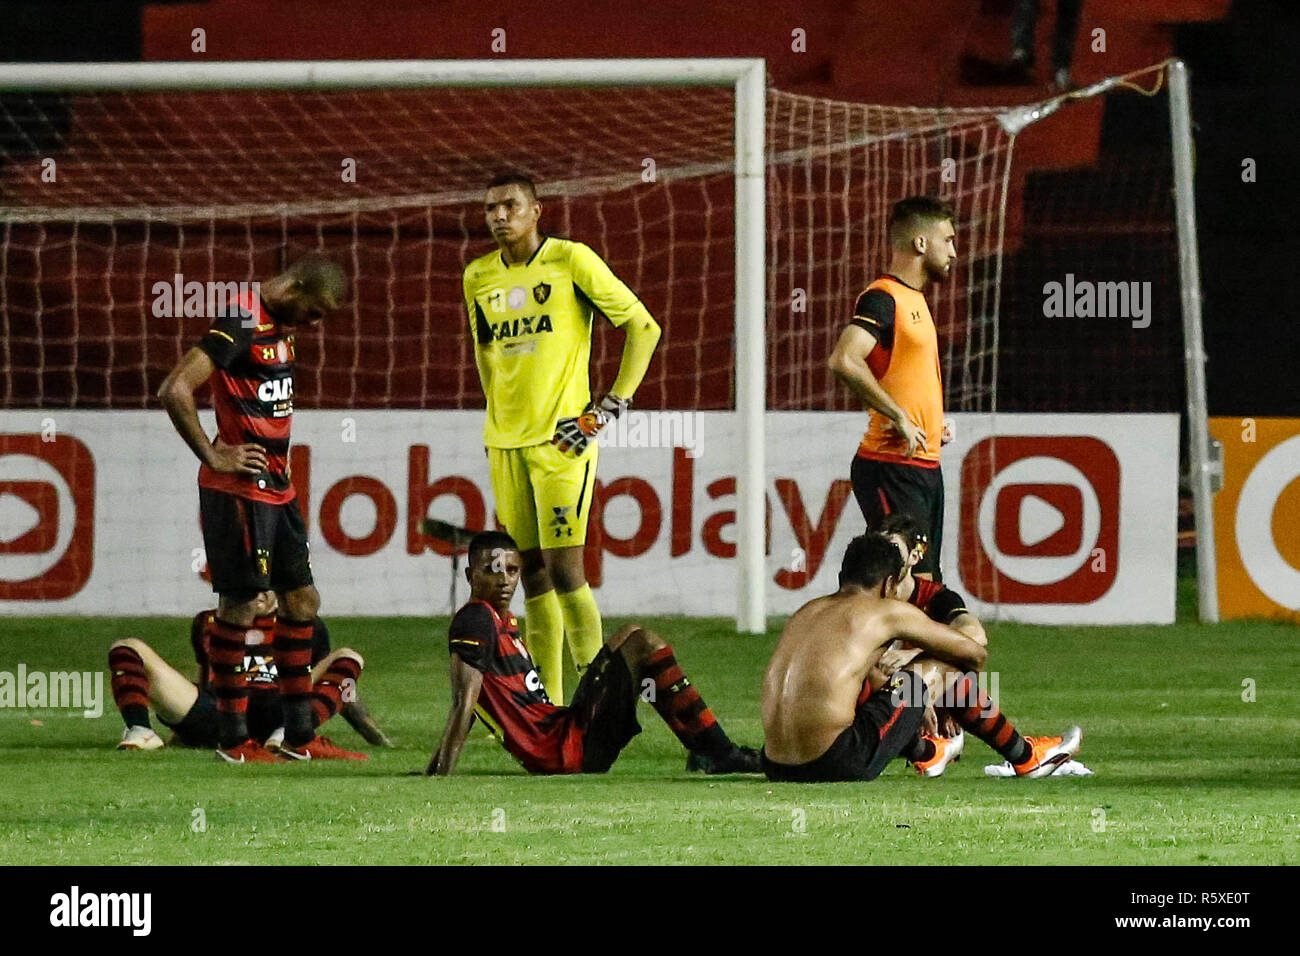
(906, 363)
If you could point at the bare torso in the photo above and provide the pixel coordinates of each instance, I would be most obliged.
(810, 690)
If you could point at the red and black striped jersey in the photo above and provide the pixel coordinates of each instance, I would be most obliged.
(940, 602)
(259, 655)
(252, 393)
(512, 701)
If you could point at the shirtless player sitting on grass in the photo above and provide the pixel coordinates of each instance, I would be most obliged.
(943, 683)
(829, 713)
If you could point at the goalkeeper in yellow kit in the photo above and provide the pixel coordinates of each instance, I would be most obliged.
(531, 304)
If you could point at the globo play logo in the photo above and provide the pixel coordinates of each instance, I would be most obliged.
(47, 517)
(1039, 519)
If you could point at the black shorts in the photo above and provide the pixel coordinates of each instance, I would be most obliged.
(200, 726)
(604, 706)
(253, 546)
(884, 487)
(850, 756)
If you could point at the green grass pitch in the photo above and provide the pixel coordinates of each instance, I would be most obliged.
(1187, 772)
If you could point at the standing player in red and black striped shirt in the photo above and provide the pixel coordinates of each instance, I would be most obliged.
(252, 529)
(494, 679)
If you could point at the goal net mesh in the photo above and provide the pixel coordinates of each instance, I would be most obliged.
(105, 195)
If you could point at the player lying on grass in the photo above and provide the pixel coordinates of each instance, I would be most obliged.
(141, 679)
(829, 713)
(493, 678)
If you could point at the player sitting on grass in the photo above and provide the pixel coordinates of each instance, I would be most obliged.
(141, 679)
(493, 677)
(829, 713)
(940, 603)
(944, 683)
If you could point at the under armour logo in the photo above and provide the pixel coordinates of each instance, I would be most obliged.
(561, 523)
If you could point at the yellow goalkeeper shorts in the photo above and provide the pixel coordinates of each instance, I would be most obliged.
(542, 495)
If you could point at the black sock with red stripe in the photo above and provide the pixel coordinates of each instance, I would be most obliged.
(226, 644)
(328, 693)
(130, 685)
(293, 667)
(682, 707)
(978, 714)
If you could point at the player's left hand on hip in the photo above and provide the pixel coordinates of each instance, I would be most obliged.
(574, 434)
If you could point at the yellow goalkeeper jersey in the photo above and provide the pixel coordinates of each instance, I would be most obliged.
(531, 327)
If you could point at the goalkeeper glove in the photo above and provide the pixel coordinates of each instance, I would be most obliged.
(574, 434)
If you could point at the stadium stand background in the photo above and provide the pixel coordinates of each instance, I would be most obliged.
(887, 53)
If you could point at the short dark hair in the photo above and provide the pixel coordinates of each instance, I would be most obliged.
(318, 277)
(870, 559)
(908, 215)
(515, 178)
(487, 541)
(905, 526)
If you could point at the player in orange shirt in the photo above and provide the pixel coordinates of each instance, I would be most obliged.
(889, 356)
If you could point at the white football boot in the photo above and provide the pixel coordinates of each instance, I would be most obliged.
(136, 737)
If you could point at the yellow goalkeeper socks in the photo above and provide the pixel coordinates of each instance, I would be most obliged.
(582, 626)
(545, 639)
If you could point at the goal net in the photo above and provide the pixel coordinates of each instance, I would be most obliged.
(113, 200)
(105, 194)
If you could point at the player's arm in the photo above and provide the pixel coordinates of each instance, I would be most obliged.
(969, 625)
(479, 329)
(642, 336)
(624, 310)
(872, 325)
(177, 395)
(595, 281)
(948, 607)
(472, 633)
(465, 684)
(939, 640)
